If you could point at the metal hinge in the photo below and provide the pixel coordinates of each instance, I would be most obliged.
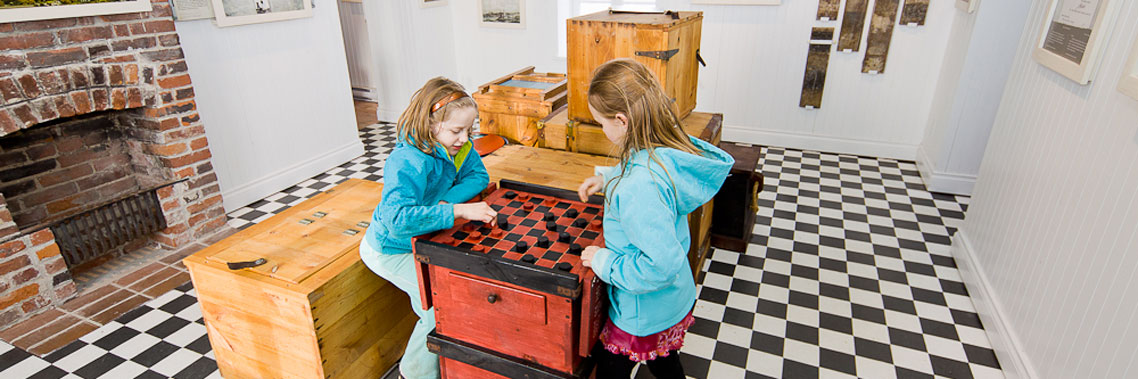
(663, 55)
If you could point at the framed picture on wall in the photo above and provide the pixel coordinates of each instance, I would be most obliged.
(15, 11)
(1072, 37)
(967, 5)
(502, 13)
(432, 3)
(737, 2)
(241, 12)
(1129, 82)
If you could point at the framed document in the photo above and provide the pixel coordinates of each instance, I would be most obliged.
(241, 12)
(1129, 82)
(15, 11)
(967, 5)
(1072, 36)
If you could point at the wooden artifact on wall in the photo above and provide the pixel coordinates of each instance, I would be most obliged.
(828, 9)
(853, 21)
(880, 35)
(814, 80)
(914, 11)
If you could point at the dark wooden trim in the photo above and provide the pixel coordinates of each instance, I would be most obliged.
(498, 363)
(521, 274)
(548, 191)
(713, 126)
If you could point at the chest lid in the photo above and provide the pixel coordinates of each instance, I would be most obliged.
(305, 238)
(746, 155)
(663, 19)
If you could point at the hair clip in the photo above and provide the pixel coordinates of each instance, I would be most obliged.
(447, 100)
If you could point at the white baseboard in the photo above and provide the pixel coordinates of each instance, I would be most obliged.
(943, 182)
(266, 185)
(819, 143)
(388, 115)
(1013, 360)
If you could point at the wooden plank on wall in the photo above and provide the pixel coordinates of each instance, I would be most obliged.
(880, 35)
(828, 9)
(817, 60)
(914, 11)
(853, 21)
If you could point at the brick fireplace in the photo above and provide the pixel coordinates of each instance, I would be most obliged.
(94, 109)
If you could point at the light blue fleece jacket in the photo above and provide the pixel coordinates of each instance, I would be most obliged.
(646, 234)
(414, 182)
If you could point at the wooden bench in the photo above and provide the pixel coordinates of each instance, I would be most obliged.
(312, 309)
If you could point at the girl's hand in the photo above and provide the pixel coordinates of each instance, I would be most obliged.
(590, 186)
(479, 211)
(588, 254)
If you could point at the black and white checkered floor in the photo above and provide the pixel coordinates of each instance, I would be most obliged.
(848, 275)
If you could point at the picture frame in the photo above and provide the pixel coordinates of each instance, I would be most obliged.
(510, 14)
(967, 5)
(736, 2)
(432, 3)
(244, 12)
(18, 14)
(1072, 37)
(1128, 84)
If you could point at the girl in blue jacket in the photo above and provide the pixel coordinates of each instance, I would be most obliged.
(663, 174)
(430, 173)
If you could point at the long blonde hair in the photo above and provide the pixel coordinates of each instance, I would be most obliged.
(418, 119)
(626, 86)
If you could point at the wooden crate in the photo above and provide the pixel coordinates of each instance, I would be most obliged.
(558, 132)
(313, 310)
(666, 42)
(738, 199)
(511, 105)
(566, 170)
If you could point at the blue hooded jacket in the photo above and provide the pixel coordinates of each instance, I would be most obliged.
(414, 182)
(646, 234)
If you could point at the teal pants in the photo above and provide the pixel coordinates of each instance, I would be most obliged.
(399, 269)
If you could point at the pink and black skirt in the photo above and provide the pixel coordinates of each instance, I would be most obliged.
(648, 347)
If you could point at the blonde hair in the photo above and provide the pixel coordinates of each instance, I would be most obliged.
(626, 86)
(418, 119)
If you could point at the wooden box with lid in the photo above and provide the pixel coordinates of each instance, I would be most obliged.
(311, 308)
(665, 42)
(511, 106)
(734, 219)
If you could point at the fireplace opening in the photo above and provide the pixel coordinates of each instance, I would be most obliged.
(86, 178)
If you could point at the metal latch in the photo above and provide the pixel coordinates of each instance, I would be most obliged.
(663, 55)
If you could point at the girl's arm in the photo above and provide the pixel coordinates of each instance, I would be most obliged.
(472, 179)
(400, 208)
(650, 225)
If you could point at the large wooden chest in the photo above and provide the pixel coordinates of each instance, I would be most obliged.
(511, 105)
(558, 132)
(312, 309)
(734, 219)
(666, 42)
(517, 288)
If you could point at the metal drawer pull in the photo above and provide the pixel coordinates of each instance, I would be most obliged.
(492, 298)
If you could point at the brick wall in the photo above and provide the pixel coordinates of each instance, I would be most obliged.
(33, 274)
(132, 64)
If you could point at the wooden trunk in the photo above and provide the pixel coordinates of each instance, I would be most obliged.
(312, 310)
(510, 106)
(666, 42)
(734, 219)
(567, 170)
(547, 310)
(558, 132)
